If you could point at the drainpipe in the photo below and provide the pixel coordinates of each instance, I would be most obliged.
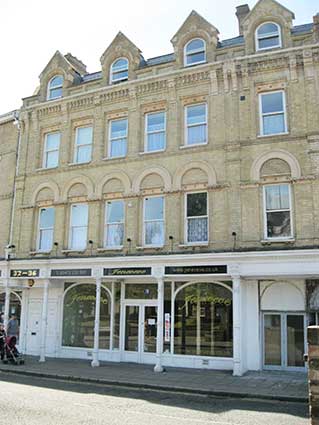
(18, 125)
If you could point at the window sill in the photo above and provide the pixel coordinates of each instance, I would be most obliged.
(46, 168)
(114, 248)
(260, 136)
(189, 65)
(71, 251)
(192, 245)
(40, 252)
(278, 240)
(73, 164)
(193, 146)
(141, 248)
(150, 152)
(111, 158)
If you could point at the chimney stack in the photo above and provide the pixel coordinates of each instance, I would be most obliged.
(316, 26)
(241, 13)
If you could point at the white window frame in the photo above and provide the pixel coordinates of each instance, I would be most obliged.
(59, 86)
(280, 238)
(269, 35)
(46, 150)
(117, 138)
(147, 133)
(261, 114)
(202, 216)
(71, 228)
(195, 125)
(76, 145)
(117, 80)
(186, 54)
(148, 221)
(45, 228)
(106, 224)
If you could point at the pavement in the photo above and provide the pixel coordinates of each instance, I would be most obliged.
(267, 385)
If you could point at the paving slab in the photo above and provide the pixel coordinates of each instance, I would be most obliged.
(271, 385)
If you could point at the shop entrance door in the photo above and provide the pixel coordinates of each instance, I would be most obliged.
(284, 340)
(139, 332)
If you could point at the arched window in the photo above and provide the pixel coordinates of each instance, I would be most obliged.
(79, 316)
(14, 306)
(55, 87)
(119, 70)
(203, 320)
(268, 36)
(195, 52)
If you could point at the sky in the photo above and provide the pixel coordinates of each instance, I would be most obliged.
(32, 30)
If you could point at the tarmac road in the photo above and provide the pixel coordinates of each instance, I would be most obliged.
(38, 401)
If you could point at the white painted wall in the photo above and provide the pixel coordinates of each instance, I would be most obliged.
(252, 327)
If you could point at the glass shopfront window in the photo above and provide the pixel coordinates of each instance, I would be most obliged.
(203, 320)
(14, 306)
(141, 291)
(79, 316)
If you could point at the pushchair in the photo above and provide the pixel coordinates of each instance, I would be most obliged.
(8, 350)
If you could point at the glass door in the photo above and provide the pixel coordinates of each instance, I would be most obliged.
(140, 332)
(284, 340)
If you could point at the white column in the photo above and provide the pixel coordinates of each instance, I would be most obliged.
(237, 327)
(6, 306)
(44, 320)
(95, 362)
(160, 313)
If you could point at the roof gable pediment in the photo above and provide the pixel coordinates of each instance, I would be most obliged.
(119, 46)
(265, 9)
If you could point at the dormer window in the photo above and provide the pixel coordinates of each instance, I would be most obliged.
(55, 87)
(268, 36)
(195, 52)
(119, 70)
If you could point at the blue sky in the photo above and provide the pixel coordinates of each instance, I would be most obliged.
(31, 31)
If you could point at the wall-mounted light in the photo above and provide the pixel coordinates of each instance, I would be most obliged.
(171, 239)
(129, 241)
(234, 235)
(91, 246)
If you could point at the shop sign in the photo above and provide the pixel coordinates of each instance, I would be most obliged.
(128, 271)
(70, 272)
(25, 273)
(167, 327)
(196, 270)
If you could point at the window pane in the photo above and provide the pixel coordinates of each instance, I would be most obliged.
(268, 28)
(115, 211)
(46, 240)
(46, 217)
(56, 81)
(115, 234)
(79, 215)
(155, 122)
(277, 197)
(54, 93)
(154, 208)
(268, 42)
(155, 142)
(84, 135)
(196, 204)
(120, 75)
(295, 340)
(120, 64)
(79, 316)
(84, 153)
(203, 323)
(78, 239)
(195, 45)
(196, 135)
(272, 102)
(52, 159)
(196, 114)
(197, 230)
(278, 224)
(272, 338)
(195, 57)
(118, 129)
(154, 233)
(118, 148)
(274, 124)
(53, 141)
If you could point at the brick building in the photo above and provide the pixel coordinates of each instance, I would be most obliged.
(175, 197)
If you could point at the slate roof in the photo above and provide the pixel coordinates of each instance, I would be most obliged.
(170, 57)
